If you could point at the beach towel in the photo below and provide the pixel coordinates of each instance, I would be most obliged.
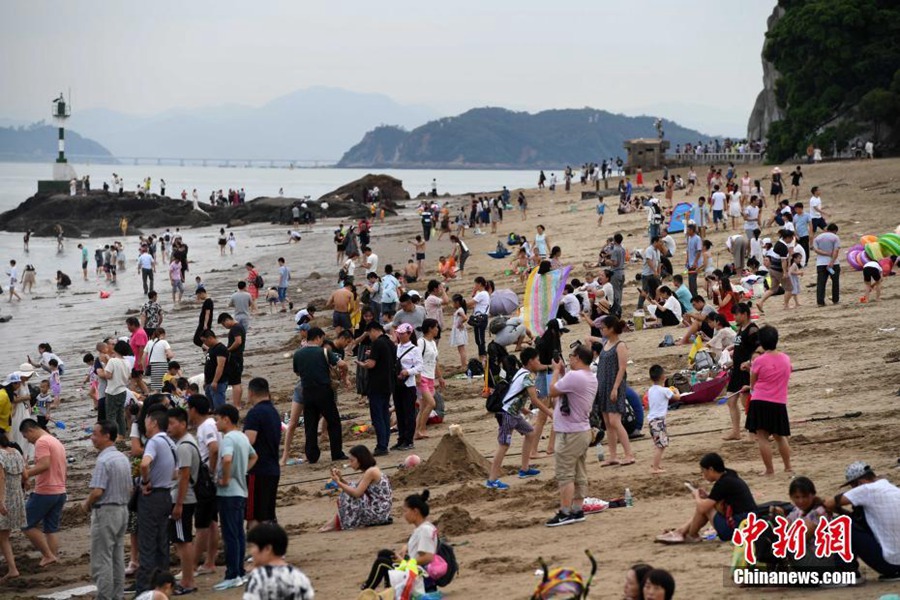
(542, 296)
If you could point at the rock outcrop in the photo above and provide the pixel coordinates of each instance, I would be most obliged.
(766, 110)
(390, 190)
(99, 213)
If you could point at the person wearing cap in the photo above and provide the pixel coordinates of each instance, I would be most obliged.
(206, 315)
(21, 408)
(409, 360)
(875, 539)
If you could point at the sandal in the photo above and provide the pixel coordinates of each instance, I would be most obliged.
(670, 537)
(625, 463)
(610, 463)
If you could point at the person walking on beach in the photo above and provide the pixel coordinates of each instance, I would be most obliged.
(206, 315)
(284, 280)
(84, 261)
(47, 499)
(237, 341)
(107, 504)
(13, 274)
(827, 246)
(242, 302)
(146, 266)
(151, 314)
(177, 281)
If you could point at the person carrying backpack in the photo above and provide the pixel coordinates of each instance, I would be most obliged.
(510, 415)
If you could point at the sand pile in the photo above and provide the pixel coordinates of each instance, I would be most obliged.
(458, 521)
(453, 460)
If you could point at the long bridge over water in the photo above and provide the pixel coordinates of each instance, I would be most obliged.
(271, 163)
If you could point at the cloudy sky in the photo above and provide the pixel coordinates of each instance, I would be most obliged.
(696, 59)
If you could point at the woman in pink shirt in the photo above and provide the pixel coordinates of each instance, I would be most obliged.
(767, 414)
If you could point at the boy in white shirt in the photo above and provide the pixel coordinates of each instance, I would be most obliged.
(658, 398)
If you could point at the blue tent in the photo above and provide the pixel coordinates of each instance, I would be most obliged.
(680, 215)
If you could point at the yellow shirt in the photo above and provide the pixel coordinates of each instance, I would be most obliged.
(5, 410)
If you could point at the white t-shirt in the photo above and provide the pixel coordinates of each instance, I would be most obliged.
(158, 350)
(482, 302)
(752, 215)
(571, 304)
(651, 255)
(429, 351)
(372, 261)
(13, 276)
(873, 265)
(207, 433)
(608, 292)
(658, 399)
(815, 203)
(423, 539)
(121, 373)
(718, 201)
(881, 500)
(145, 261)
(673, 305)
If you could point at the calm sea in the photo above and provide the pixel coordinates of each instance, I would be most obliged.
(18, 181)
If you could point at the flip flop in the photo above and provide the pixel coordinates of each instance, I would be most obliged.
(625, 463)
(670, 537)
(610, 463)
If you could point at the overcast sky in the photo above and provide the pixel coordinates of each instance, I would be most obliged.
(698, 58)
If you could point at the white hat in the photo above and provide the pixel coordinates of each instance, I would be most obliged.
(766, 241)
(414, 294)
(26, 368)
(654, 201)
(12, 378)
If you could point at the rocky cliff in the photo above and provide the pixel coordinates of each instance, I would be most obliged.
(766, 111)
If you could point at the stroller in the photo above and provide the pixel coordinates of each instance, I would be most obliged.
(564, 584)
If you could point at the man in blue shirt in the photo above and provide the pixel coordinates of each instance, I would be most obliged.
(284, 279)
(694, 255)
(683, 293)
(801, 228)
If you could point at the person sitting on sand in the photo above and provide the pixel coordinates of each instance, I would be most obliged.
(724, 507)
(665, 309)
(365, 502)
(162, 586)
(695, 320)
(876, 538)
(723, 335)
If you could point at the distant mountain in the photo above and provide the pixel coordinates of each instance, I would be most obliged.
(314, 123)
(500, 138)
(39, 143)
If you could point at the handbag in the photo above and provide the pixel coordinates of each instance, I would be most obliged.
(334, 374)
(478, 320)
(407, 585)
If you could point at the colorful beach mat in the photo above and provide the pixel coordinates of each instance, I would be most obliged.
(542, 296)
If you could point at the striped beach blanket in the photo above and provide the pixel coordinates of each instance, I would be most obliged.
(542, 296)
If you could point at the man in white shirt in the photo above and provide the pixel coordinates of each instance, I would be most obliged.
(13, 280)
(371, 261)
(718, 207)
(878, 545)
(751, 217)
(569, 306)
(816, 214)
(146, 265)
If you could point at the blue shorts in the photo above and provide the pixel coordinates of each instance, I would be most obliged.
(723, 529)
(718, 215)
(282, 294)
(298, 393)
(601, 209)
(46, 508)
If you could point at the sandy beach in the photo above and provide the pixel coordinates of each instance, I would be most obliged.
(845, 356)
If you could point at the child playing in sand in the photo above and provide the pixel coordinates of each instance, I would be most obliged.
(172, 373)
(272, 299)
(459, 335)
(658, 398)
(520, 262)
(43, 404)
(55, 386)
(795, 271)
(872, 276)
(601, 208)
(447, 267)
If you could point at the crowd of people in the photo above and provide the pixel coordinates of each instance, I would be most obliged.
(201, 469)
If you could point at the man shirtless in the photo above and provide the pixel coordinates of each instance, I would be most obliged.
(340, 301)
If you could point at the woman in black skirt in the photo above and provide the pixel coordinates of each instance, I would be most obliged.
(745, 345)
(767, 414)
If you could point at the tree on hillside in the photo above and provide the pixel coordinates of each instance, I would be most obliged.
(838, 60)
